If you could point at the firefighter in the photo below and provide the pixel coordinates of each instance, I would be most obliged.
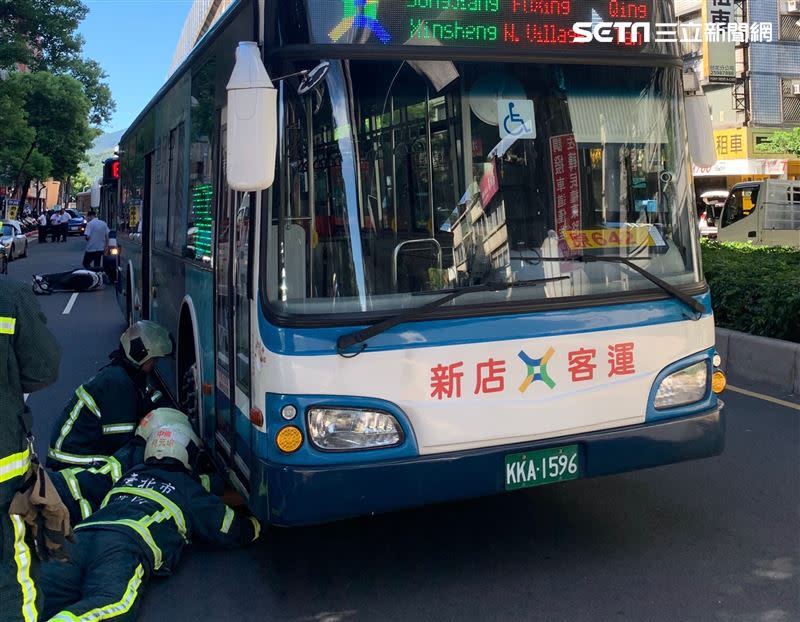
(82, 489)
(141, 528)
(104, 412)
(29, 358)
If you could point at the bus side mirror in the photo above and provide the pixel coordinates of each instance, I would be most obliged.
(701, 134)
(94, 198)
(252, 142)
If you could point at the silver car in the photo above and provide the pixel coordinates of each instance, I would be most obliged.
(13, 240)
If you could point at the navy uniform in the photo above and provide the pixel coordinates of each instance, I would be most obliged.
(29, 359)
(141, 529)
(102, 415)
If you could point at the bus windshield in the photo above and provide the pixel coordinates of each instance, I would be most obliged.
(404, 178)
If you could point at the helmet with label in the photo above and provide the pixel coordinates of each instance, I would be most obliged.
(158, 418)
(145, 340)
(176, 441)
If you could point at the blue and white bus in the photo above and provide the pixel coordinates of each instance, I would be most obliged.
(477, 268)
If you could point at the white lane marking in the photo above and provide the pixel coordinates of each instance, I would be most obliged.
(70, 304)
(766, 398)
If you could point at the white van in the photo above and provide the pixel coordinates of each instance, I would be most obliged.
(762, 212)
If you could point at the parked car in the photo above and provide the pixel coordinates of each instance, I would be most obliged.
(77, 222)
(3, 260)
(13, 239)
(709, 207)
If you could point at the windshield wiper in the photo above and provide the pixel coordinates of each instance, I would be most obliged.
(694, 305)
(360, 336)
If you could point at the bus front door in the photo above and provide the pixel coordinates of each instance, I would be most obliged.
(233, 436)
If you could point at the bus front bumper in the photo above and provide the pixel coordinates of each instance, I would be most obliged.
(302, 495)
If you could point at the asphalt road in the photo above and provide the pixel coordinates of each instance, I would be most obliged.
(711, 540)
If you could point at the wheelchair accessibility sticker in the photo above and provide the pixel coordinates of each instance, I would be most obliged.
(515, 117)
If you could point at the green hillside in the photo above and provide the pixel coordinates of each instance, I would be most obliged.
(102, 149)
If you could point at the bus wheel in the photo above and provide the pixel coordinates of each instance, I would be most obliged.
(189, 395)
(129, 303)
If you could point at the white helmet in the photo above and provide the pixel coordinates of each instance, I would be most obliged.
(158, 418)
(177, 441)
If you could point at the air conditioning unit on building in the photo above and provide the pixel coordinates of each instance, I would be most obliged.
(796, 89)
(793, 6)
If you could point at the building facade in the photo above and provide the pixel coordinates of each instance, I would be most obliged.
(760, 94)
(201, 17)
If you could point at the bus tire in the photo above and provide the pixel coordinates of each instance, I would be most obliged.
(129, 302)
(188, 370)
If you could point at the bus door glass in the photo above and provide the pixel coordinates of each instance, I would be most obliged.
(232, 311)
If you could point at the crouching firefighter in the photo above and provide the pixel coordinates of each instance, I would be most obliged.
(141, 528)
(29, 358)
(103, 413)
(83, 489)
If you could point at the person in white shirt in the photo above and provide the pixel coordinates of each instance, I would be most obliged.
(96, 235)
(63, 224)
(55, 225)
(42, 220)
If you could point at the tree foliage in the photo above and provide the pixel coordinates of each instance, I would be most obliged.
(42, 34)
(787, 141)
(56, 127)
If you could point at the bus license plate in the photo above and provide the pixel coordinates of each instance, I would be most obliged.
(545, 466)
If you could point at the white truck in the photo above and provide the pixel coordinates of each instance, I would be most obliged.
(762, 212)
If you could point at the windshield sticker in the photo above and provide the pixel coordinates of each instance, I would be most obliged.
(490, 376)
(516, 119)
(629, 237)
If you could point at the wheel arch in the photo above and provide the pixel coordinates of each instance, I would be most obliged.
(187, 352)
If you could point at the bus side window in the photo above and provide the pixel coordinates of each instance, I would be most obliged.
(199, 216)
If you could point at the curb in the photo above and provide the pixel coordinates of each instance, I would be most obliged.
(754, 360)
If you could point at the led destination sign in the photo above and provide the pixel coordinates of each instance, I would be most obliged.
(506, 24)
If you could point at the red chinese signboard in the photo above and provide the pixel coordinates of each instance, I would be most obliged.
(566, 187)
(490, 183)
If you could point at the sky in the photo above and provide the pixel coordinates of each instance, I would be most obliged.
(134, 41)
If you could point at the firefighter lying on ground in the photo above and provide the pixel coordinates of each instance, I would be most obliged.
(82, 489)
(103, 413)
(141, 528)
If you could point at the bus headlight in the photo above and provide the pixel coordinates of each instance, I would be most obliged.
(345, 429)
(683, 387)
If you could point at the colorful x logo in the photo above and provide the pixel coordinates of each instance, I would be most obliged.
(360, 14)
(537, 369)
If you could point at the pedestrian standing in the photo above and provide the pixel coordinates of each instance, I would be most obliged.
(42, 220)
(55, 224)
(29, 358)
(63, 220)
(96, 235)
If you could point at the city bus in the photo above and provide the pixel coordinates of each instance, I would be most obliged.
(476, 269)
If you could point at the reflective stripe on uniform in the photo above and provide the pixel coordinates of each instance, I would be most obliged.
(256, 527)
(83, 399)
(8, 325)
(75, 490)
(227, 520)
(15, 465)
(205, 482)
(173, 511)
(75, 459)
(141, 530)
(112, 468)
(22, 557)
(118, 428)
(123, 605)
